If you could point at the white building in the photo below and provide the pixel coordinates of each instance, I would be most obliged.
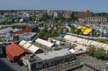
(96, 19)
(32, 48)
(6, 35)
(44, 42)
(86, 42)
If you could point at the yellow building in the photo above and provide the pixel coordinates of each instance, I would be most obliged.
(85, 30)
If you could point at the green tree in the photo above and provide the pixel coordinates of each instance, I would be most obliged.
(99, 53)
(45, 34)
(91, 51)
(101, 40)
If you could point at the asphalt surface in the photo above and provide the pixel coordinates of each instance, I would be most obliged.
(5, 65)
(93, 61)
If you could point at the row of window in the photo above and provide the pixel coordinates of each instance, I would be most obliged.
(53, 62)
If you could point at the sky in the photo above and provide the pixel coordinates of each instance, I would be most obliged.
(74, 5)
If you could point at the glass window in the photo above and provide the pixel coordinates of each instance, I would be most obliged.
(33, 66)
(39, 65)
(1, 51)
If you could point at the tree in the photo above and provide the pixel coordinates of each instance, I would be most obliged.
(33, 18)
(91, 51)
(73, 17)
(101, 40)
(106, 55)
(99, 53)
(35, 29)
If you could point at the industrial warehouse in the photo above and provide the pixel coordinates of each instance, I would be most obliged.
(60, 60)
(43, 55)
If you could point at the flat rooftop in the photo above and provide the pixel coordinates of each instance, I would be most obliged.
(53, 54)
(27, 35)
(45, 48)
(49, 55)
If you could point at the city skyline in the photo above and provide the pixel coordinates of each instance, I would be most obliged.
(74, 5)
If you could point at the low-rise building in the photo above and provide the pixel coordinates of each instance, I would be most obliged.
(6, 34)
(30, 47)
(84, 14)
(56, 41)
(44, 42)
(86, 42)
(96, 19)
(28, 36)
(14, 52)
(60, 60)
(23, 30)
(2, 18)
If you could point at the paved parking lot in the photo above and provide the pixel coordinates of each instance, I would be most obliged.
(93, 61)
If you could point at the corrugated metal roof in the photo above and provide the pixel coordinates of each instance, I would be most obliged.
(85, 41)
(32, 48)
(22, 42)
(44, 42)
(27, 45)
(14, 50)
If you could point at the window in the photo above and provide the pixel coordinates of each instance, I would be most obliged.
(39, 65)
(1, 51)
(33, 66)
(46, 65)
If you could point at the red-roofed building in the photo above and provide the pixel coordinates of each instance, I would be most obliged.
(24, 29)
(15, 52)
(27, 29)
